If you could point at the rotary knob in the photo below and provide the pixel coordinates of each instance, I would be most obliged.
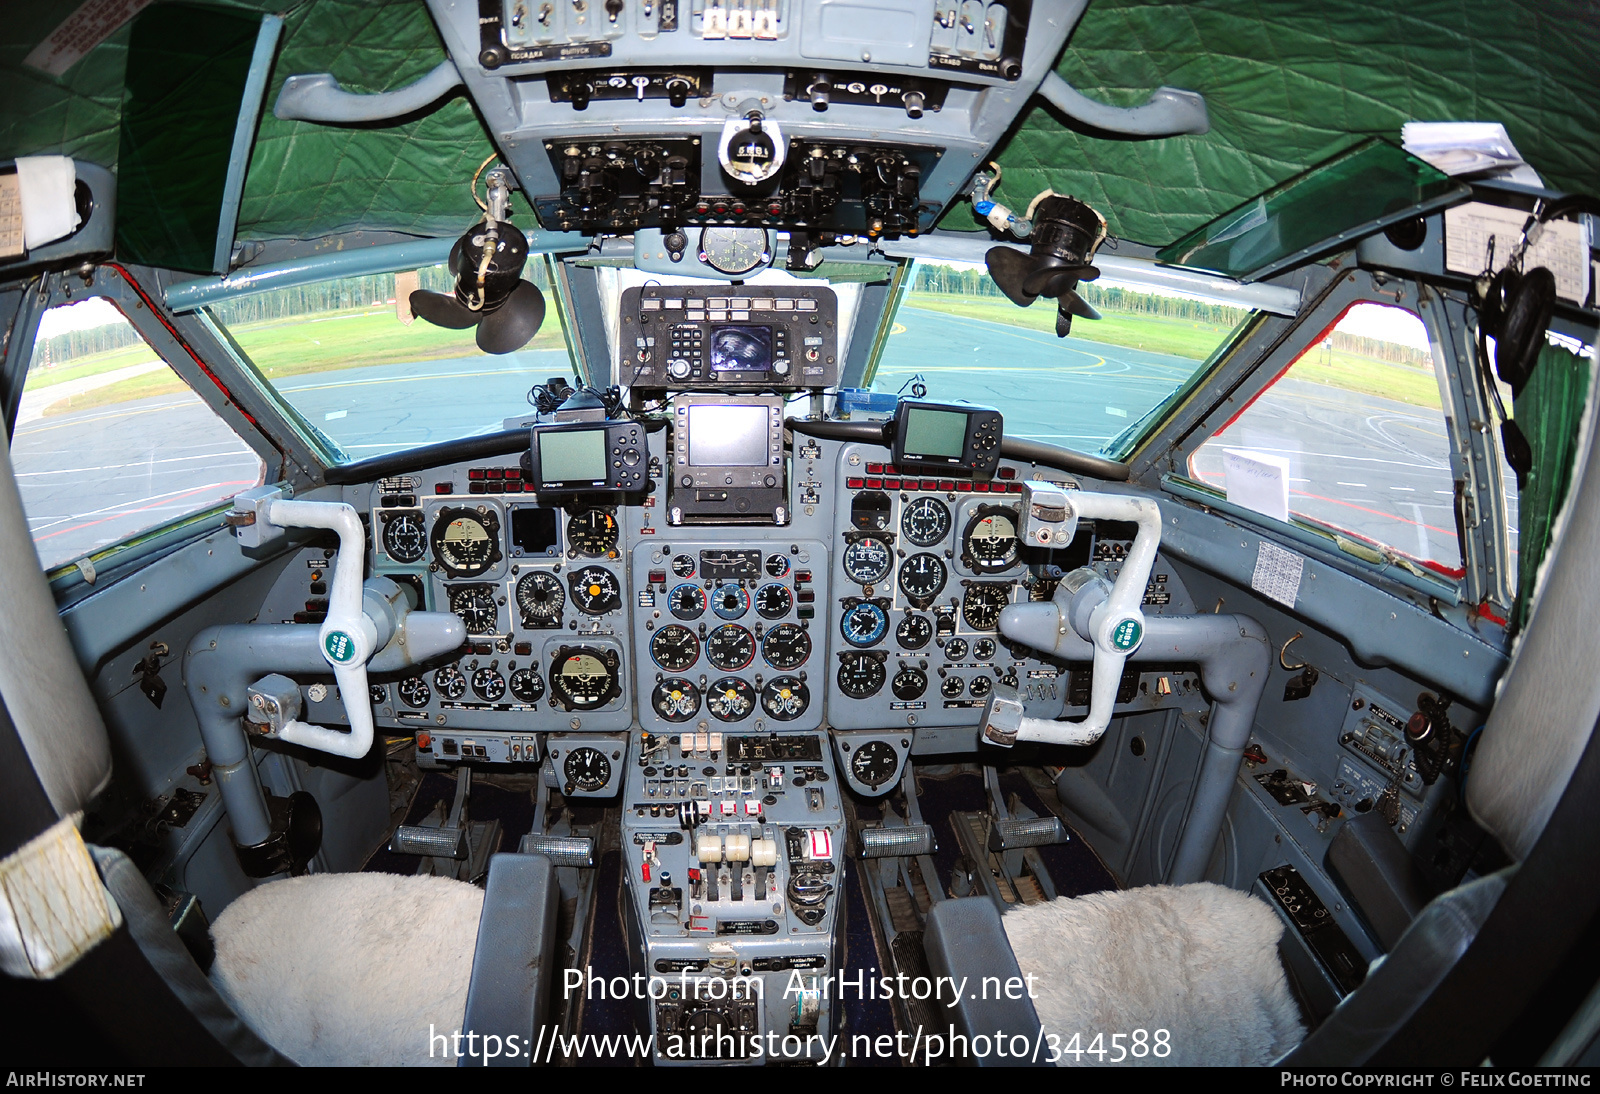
(678, 368)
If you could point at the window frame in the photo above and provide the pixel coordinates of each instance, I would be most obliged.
(1479, 504)
(121, 289)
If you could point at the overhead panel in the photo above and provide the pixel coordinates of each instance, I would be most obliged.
(827, 118)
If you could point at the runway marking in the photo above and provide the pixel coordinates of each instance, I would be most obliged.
(142, 463)
(153, 503)
(376, 380)
(76, 421)
(1363, 485)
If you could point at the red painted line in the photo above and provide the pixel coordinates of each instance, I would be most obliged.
(205, 368)
(142, 508)
(1377, 513)
(1313, 344)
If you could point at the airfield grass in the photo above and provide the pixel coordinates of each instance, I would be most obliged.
(282, 348)
(1195, 341)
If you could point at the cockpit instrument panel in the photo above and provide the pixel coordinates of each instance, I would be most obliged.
(739, 338)
(727, 460)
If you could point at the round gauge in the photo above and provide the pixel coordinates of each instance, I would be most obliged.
(913, 632)
(450, 682)
(980, 687)
(874, 763)
(674, 648)
(730, 699)
(785, 698)
(489, 685)
(773, 601)
(686, 601)
(867, 560)
(379, 693)
(955, 649)
(540, 599)
(582, 677)
(730, 601)
(683, 565)
(952, 687)
(861, 675)
(786, 646)
(465, 542)
(595, 590)
(922, 578)
(909, 684)
(404, 539)
(981, 605)
(925, 521)
(735, 250)
(864, 623)
(414, 691)
(587, 769)
(475, 605)
(730, 647)
(983, 649)
(592, 532)
(989, 544)
(675, 699)
(776, 565)
(527, 686)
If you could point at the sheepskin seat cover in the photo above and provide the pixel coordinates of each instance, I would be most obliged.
(350, 969)
(1200, 961)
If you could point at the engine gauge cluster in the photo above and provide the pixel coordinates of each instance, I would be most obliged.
(730, 634)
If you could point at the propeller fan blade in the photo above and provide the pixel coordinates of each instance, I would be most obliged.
(513, 324)
(1051, 278)
(1010, 268)
(442, 310)
(1078, 306)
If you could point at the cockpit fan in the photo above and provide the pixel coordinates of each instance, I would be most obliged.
(489, 293)
(1066, 233)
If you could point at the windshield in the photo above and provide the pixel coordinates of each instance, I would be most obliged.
(955, 337)
(349, 356)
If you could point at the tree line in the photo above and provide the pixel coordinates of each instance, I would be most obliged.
(72, 344)
(346, 293)
(974, 282)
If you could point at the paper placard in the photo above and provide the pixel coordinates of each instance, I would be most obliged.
(10, 215)
(1258, 481)
(1277, 574)
(1479, 237)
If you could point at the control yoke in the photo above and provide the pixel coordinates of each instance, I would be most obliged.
(1100, 612)
(361, 621)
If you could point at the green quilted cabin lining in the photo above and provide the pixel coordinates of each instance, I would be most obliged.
(1287, 82)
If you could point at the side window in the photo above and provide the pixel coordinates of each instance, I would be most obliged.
(1356, 426)
(110, 442)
